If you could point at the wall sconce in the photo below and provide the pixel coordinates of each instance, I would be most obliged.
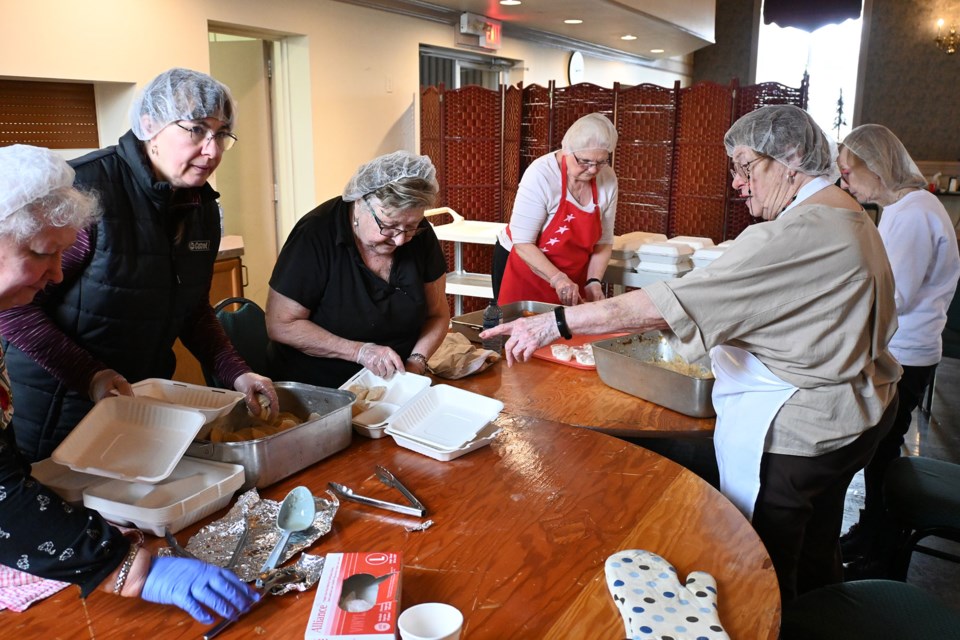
(949, 42)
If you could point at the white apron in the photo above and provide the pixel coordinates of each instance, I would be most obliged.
(746, 396)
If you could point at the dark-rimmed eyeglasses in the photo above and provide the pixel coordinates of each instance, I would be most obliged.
(742, 171)
(586, 164)
(391, 232)
(200, 134)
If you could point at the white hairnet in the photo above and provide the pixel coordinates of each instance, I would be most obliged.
(786, 133)
(29, 173)
(381, 171)
(885, 155)
(180, 94)
(592, 131)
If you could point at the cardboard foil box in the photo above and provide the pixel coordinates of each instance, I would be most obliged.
(357, 598)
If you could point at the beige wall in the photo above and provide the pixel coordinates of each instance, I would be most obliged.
(363, 63)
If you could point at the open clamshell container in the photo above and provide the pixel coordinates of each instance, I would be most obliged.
(324, 431)
(139, 445)
(212, 403)
(646, 366)
(445, 422)
(471, 324)
(398, 390)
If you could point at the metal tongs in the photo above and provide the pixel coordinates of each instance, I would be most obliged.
(416, 507)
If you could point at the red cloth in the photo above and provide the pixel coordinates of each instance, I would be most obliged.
(810, 15)
(18, 590)
(568, 243)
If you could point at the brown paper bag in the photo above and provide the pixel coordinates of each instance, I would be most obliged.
(457, 357)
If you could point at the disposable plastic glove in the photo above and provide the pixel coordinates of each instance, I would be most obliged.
(196, 586)
(653, 603)
(108, 382)
(567, 290)
(382, 361)
(259, 395)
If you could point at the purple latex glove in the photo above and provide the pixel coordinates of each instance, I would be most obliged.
(196, 586)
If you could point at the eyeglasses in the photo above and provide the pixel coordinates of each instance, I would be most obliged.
(586, 164)
(742, 171)
(391, 232)
(200, 134)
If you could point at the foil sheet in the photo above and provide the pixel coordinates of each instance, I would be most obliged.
(216, 542)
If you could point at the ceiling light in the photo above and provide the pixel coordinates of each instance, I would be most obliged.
(656, 50)
(573, 21)
(628, 37)
(509, 3)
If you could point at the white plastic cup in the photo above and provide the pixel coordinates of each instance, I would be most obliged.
(430, 621)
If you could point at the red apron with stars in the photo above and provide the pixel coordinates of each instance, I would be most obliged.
(568, 243)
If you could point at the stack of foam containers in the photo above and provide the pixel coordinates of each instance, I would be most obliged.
(625, 248)
(665, 257)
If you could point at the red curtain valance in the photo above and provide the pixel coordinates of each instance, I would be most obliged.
(810, 15)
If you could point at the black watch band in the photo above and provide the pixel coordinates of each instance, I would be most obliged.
(560, 314)
(592, 280)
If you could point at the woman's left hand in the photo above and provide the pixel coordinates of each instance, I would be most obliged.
(593, 292)
(254, 387)
(567, 290)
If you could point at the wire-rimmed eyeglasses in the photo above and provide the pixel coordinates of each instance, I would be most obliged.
(391, 232)
(742, 171)
(587, 164)
(200, 134)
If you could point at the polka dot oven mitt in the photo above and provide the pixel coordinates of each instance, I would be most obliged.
(653, 603)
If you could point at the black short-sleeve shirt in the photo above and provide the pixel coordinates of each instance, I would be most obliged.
(321, 268)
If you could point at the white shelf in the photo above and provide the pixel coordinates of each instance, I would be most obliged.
(477, 285)
(459, 282)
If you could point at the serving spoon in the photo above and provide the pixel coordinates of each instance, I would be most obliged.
(296, 514)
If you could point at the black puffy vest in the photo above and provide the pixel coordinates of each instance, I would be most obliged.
(129, 304)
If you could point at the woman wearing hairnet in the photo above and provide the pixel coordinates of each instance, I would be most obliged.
(796, 317)
(922, 247)
(560, 235)
(138, 279)
(360, 281)
(40, 217)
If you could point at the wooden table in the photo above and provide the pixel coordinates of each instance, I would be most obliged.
(522, 530)
(577, 397)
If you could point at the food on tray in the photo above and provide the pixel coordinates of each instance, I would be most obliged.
(561, 352)
(584, 355)
(366, 397)
(261, 429)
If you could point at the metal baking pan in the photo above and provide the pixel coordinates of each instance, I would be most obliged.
(647, 367)
(268, 460)
(471, 324)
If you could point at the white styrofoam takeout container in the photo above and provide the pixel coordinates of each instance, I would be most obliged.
(703, 257)
(401, 388)
(693, 242)
(64, 481)
(664, 253)
(626, 245)
(129, 439)
(484, 437)
(195, 489)
(677, 268)
(443, 420)
(212, 403)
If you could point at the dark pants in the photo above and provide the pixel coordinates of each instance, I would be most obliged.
(910, 391)
(500, 256)
(799, 510)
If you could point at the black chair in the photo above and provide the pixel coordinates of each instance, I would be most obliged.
(877, 609)
(246, 326)
(922, 495)
(951, 349)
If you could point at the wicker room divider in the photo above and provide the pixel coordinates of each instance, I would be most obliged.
(671, 164)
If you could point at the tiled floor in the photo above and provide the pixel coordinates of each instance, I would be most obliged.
(936, 437)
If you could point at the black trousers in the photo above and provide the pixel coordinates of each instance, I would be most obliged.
(500, 256)
(799, 510)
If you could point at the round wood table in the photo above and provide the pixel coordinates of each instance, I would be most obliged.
(521, 532)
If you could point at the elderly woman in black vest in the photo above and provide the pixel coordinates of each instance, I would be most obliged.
(138, 279)
(40, 216)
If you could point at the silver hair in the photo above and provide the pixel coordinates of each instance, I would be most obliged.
(63, 207)
(592, 131)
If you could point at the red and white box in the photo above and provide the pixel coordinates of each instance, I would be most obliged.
(358, 598)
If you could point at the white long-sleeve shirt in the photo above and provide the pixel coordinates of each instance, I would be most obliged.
(921, 245)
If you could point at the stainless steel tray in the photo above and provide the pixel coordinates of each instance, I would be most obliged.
(268, 460)
(627, 363)
(471, 324)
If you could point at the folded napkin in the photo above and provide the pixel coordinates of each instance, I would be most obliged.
(653, 603)
(457, 357)
(18, 590)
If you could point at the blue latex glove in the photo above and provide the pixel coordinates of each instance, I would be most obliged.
(196, 586)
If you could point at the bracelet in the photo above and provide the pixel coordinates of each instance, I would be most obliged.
(592, 280)
(561, 317)
(127, 564)
(419, 357)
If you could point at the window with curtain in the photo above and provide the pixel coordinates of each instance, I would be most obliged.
(57, 115)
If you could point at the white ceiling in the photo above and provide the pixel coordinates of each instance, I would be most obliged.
(679, 27)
